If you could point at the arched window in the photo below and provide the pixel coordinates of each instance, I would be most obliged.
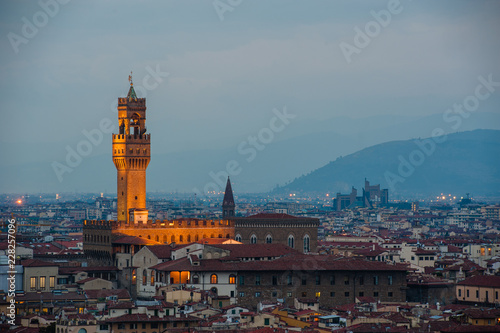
(269, 239)
(181, 238)
(195, 279)
(196, 238)
(306, 244)
(149, 236)
(253, 239)
(189, 238)
(213, 279)
(232, 279)
(82, 330)
(238, 238)
(144, 277)
(134, 277)
(157, 238)
(291, 241)
(172, 239)
(165, 238)
(152, 279)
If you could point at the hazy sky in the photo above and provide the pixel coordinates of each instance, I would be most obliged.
(229, 64)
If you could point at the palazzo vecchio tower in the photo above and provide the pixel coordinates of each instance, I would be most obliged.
(131, 154)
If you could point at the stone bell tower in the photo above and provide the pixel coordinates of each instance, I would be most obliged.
(131, 155)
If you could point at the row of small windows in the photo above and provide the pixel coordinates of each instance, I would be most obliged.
(317, 294)
(317, 281)
(290, 241)
(467, 293)
(96, 238)
(214, 279)
(181, 238)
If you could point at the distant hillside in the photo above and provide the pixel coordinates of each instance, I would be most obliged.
(464, 162)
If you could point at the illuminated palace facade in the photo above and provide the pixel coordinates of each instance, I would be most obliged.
(103, 240)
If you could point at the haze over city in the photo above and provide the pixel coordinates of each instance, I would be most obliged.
(213, 75)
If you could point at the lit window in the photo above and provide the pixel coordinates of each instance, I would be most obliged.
(52, 282)
(232, 279)
(42, 282)
(213, 279)
(318, 294)
(33, 283)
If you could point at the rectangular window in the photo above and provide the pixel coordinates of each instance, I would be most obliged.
(275, 280)
(318, 280)
(318, 294)
(266, 321)
(33, 283)
(412, 258)
(289, 280)
(346, 280)
(332, 280)
(304, 294)
(389, 280)
(52, 282)
(361, 280)
(274, 294)
(304, 280)
(375, 280)
(257, 280)
(332, 293)
(496, 294)
(467, 293)
(459, 292)
(242, 280)
(289, 294)
(375, 294)
(241, 294)
(477, 293)
(133, 326)
(154, 325)
(346, 294)
(389, 294)
(361, 294)
(42, 282)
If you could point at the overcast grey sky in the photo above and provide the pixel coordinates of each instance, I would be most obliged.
(229, 66)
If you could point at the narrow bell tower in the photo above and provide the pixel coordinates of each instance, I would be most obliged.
(131, 154)
(228, 205)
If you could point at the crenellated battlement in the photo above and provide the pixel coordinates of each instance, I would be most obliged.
(98, 224)
(139, 102)
(167, 224)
